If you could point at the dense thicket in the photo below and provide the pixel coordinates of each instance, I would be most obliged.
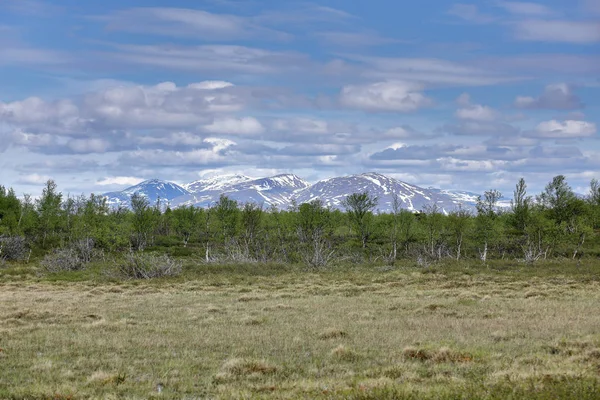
(556, 223)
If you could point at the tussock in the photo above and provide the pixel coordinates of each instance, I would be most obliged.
(240, 367)
(332, 333)
(344, 354)
(441, 355)
(248, 298)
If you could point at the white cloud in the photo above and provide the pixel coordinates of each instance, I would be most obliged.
(210, 85)
(474, 112)
(119, 180)
(355, 39)
(235, 126)
(592, 6)
(163, 106)
(213, 58)
(568, 129)
(429, 71)
(86, 146)
(470, 13)
(477, 112)
(555, 97)
(395, 96)
(174, 139)
(401, 132)
(464, 100)
(24, 55)
(219, 144)
(458, 165)
(301, 124)
(189, 22)
(37, 113)
(33, 179)
(480, 128)
(525, 8)
(577, 32)
(32, 140)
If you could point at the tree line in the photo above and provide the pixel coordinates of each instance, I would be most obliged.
(554, 223)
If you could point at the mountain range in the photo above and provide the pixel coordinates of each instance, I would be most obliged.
(281, 191)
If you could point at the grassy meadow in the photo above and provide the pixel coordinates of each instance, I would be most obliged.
(456, 331)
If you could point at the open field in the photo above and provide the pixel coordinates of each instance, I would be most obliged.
(279, 332)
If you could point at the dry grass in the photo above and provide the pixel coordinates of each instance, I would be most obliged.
(361, 335)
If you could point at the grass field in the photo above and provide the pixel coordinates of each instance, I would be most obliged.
(504, 331)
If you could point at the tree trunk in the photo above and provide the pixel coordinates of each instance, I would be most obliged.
(483, 255)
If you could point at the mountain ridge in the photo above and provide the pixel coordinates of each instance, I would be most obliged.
(282, 190)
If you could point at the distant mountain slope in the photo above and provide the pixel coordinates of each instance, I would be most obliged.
(152, 189)
(281, 190)
(218, 183)
(273, 191)
(333, 191)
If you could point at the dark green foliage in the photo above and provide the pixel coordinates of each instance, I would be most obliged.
(10, 211)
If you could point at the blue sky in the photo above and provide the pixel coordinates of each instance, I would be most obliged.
(461, 95)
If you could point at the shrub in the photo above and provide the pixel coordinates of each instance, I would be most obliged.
(13, 248)
(148, 266)
(84, 248)
(63, 260)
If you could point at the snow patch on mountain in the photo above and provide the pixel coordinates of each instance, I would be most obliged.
(273, 191)
(153, 190)
(217, 183)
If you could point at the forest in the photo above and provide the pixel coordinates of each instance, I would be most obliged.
(67, 233)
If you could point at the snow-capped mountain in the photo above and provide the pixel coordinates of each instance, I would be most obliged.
(273, 191)
(333, 191)
(217, 183)
(282, 190)
(152, 190)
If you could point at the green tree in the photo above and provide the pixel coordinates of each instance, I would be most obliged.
(144, 221)
(187, 222)
(407, 232)
(10, 211)
(252, 220)
(49, 211)
(433, 222)
(227, 215)
(558, 199)
(486, 220)
(359, 207)
(521, 207)
(459, 224)
(314, 228)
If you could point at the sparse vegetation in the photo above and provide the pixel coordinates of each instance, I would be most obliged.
(454, 330)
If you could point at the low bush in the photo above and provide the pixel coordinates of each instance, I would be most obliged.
(13, 248)
(66, 259)
(85, 249)
(148, 266)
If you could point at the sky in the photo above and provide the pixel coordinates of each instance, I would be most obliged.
(457, 95)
